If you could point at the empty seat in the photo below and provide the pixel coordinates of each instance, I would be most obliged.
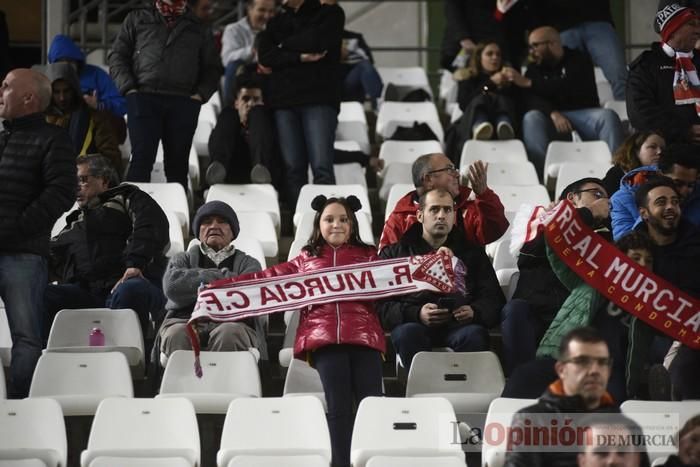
(259, 225)
(177, 241)
(205, 125)
(469, 380)
(558, 152)
(570, 172)
(473, 150)
(407, 151)
(170, 197)
(306, 226)
(137, 431)
(396, 173)
(408, 76)
(70, 332)
(32, 433)
(247, 198)
(295, 248)
(303, 380)
(275, 428)
(350, 174)
(503, 258)
(513, 196)
(352, 125)
(309, 192)
(394, 114)
(412, 427)
(397, 192)
(448, 87)
(510, 173)
(500, 414)
(80, 381)
(226, 376)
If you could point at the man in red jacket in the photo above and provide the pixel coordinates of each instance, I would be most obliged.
(481, 219)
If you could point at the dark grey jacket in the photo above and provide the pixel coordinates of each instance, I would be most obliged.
(150, 57)
(37, 183)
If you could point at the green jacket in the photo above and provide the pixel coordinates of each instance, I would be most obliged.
(578, 310)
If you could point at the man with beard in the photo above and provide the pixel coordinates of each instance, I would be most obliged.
(583, 368)
(676, 258)
(562, 97)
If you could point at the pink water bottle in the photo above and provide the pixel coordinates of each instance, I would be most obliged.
(97, 338)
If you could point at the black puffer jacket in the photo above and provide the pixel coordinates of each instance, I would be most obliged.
(150, 57)
(123, 227)
(37, 183)
(314, 28)
(650, 102)
(484, 293)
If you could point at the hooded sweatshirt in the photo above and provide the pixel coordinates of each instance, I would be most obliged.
(92, 78)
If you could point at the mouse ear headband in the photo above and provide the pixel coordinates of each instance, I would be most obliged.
(320, 201)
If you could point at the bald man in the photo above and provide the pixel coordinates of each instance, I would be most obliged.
(562, 97)
(37, 185)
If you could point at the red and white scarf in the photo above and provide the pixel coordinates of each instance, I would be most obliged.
(171, 12)
(234, 300)
(686, 84)
(502, 7)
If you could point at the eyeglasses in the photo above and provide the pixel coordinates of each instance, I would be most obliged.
(681, 184)
(536, 45)
(597, 194)
(584, 361)
(450, 169)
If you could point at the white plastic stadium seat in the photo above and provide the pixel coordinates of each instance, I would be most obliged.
(170, 197)
(510, 173)
(413, 76)
(559, 152)
(32, 433)
(569, 172)
(251, 197)
(259, 225)
(80, 381)
(407, 427)
(513, 196)
(509, 151)
(177, 241)
(397, 192)
(140, 431)
(303, 380)
(396, 173)
(352, 125)
(407, 151)
(5, 338)
(275, 428)
(225, 376)
(70, 332)
(309, 192)
(500, 413)
(394, 114)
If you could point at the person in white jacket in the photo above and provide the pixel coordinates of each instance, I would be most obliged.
(237, 40)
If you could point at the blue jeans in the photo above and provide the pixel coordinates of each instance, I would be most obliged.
(411, 338)
(362, 80)
(137, 293)
(602, 43)
(349, 373)
(522, 330)
(23, 279)
(306, 136)
(155, 117)
(591, 124)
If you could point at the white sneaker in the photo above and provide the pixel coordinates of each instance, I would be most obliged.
(482, 131)
(504, 130)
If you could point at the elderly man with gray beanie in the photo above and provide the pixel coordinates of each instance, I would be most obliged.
(210, 258)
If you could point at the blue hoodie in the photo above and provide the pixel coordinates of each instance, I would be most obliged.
(92, 78)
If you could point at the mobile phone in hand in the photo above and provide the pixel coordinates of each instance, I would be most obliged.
(446, 303)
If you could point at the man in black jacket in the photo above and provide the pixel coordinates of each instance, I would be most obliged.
(423, 320)
(165, 63)
(563, 97)
(651, 100)
(583, 368)
(111, 251)
(37, 183)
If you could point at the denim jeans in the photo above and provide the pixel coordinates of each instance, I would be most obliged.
(522, 330)
(23, 279)
(306, 135)
(591, 124)
(411, 338)
(349, 373)
(361, 80)
(156, 117)
(602, 43)
(137, 293)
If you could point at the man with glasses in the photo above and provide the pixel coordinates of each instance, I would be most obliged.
(562, 97)
(583, 368)
(679, 162)
(111, 251)
(482, 220)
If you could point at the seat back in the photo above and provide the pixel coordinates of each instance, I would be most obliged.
(511, 173)
(500, 414)
(250, 197)
(514, 196)
(558, 152)
(492, 151)
(570, 172)
(170, 197)
(455, 372)
(33, 429)
(302, 379)
(407, 151)
(80, 381)
(394, 114)
(397, 192)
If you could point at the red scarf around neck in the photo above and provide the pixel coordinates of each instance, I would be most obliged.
(171, 12)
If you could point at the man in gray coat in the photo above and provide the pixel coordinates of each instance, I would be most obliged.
(213, 257)
(165, 63)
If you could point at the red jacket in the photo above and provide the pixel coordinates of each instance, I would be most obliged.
(353, 323)
(483, 219)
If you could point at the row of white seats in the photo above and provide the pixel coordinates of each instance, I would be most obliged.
(256, 432)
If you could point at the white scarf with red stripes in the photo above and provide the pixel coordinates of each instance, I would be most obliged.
(686, 84)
